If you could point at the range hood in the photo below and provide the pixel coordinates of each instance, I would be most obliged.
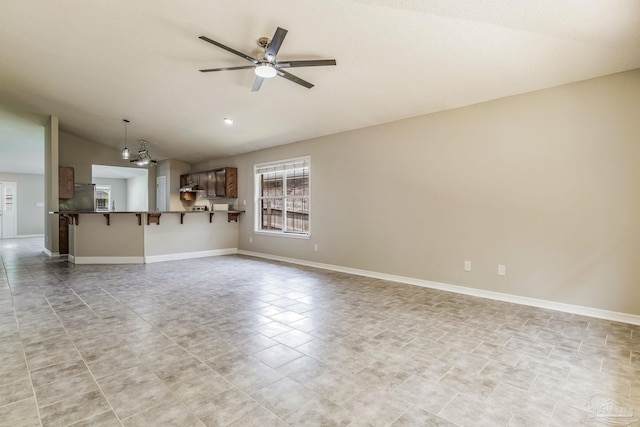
(189, 188)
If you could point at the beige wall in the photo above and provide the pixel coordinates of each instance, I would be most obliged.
(177, 168)
(30, 188)
(172, 169)
(545, 183)
(51, 225)
(92, 237)
(195, 234)
(81, 154)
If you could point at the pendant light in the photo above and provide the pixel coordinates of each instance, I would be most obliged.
(143, 158)
(125, 150)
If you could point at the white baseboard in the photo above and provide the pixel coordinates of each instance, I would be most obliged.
(28, 236)
(190, 255)
(534, 302)
(151, 259)
(50, 254)
(106, 259)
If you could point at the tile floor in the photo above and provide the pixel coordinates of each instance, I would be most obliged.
(246, 342)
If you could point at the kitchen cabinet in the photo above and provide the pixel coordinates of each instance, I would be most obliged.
(216, 183)
(184, 180)
(202, 182)
(63, 236)
(225, 183)
(65, 182)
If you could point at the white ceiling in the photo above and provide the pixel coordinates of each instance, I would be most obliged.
(93, 63)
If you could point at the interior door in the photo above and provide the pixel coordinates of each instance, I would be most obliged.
(8, 224)
(161, 193)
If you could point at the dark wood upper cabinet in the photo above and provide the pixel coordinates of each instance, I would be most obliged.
(216, 183)
(231, 183)
(65, 182)
(203, 182)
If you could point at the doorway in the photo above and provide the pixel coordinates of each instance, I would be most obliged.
(8, 210)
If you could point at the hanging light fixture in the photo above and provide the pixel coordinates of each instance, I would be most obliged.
(125, 150)
(143, 158)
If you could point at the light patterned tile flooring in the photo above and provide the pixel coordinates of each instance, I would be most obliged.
(239, 341)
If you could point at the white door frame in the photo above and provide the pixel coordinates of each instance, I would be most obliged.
(8, 210)
(161, 193)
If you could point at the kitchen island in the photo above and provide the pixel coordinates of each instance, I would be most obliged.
(146, 237)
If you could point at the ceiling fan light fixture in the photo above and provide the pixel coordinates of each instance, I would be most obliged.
(266, 70)
(143, 158)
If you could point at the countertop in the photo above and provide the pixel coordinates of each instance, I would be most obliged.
(139, 212)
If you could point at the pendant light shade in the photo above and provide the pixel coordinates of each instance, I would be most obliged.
(125, 150)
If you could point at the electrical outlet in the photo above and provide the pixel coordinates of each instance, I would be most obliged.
(250, 239)
(244, 203)
(315, 247)
(502, 270)
(467, 266)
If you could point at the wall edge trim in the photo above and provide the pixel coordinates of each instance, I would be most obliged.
(498, 296)
(50, 254)
(106, 259)
(190, 255)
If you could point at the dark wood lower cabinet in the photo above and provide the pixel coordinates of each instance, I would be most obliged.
(64, 237)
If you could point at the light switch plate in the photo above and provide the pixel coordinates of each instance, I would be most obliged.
(502, 270)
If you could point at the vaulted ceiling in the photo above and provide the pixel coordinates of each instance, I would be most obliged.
(93, 63)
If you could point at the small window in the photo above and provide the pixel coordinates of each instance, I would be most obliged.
(282, 197)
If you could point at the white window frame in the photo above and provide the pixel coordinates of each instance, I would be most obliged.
(257, 199)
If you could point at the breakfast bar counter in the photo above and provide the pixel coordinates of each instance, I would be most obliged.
(146, 237)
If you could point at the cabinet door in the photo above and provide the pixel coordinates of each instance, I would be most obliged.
(203, 182)
(184, 180)
(65, 182)
(231, 187)
(63, 236)
(220, 183)
(211, 184)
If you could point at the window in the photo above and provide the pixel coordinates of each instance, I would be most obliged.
(282, 197)
(103, 198)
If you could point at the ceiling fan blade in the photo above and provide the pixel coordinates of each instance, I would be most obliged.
(243, 67)
(276, 42)
(256, 84)
(294, 79)
(228, 49)
(308, 63)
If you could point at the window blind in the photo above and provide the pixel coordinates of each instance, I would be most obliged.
(293, 164)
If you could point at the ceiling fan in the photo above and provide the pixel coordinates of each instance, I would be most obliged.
(269, 66)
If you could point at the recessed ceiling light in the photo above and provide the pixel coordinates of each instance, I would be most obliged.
(228, 121)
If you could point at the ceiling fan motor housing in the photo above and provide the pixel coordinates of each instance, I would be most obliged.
(263, 42)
